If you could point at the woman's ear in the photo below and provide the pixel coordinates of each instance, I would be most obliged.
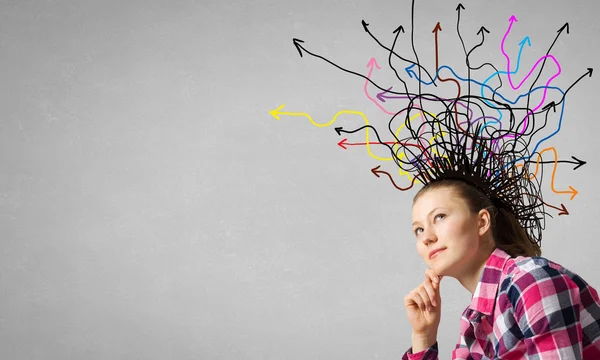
(484, 223)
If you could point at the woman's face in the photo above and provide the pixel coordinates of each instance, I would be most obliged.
(442, 220)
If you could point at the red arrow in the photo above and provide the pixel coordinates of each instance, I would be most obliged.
(343, 142)
(563, 209)
(435, 31)
(405, 143)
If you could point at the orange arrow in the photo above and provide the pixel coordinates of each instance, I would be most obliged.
(571, 190)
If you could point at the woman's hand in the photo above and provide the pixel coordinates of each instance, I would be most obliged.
(423, 305)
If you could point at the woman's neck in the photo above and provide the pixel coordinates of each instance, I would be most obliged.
(472, 275)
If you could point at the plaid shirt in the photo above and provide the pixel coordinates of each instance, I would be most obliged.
(540, 311)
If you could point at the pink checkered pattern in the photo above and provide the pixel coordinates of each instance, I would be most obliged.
(526, 308)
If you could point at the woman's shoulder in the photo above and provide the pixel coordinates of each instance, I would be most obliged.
(523, 272)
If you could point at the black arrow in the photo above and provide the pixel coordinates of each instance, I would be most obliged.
(297, 45)
(482, 31)
(339, 130)
(301, 49)
(552, 105)
(577, 161)
(565, 26)
(589, 72)
(458, 8)
(397, 30)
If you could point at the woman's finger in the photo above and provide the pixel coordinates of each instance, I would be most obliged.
(431, 292)
(435, 279)
(432, 275)
(418, 300)
(426, 298)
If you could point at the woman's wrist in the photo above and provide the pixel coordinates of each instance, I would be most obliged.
(421, 342)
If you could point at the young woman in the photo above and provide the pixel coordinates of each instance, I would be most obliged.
(523, 305)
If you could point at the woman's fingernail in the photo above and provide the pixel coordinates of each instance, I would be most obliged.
(437, 279)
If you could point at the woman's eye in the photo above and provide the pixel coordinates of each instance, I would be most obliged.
(442, 216)
(417, 230)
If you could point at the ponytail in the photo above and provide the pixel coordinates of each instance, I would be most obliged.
(510, 235)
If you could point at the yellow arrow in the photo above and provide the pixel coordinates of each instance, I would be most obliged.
(277, 112)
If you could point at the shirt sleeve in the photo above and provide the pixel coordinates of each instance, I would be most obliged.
(430, 353)
(468, 347)
(546, 307)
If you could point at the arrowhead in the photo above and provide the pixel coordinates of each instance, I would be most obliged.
(527, 40)
(409, 70)
(275, 113)
(399, 28)
(380, 95)
(437, 27)
(566, 25)
(364, 24)
(551, 104)
(573, 191)
(341, 144)
(460, 6)
(513, 19)
(564, 210)
(373, 63)
(298, 46)
(590, 70)
(481, 29)
(338, 129)
(581, 162)
(374, 170)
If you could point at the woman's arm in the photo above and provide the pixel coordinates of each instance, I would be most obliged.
(423, 348)
(420, 343)
(423, 307)
(545, 304)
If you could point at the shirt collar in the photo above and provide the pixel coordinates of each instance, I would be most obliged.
(484, 297)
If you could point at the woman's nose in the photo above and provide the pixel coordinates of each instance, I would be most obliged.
(429, 236)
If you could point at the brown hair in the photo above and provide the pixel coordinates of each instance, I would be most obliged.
(512, 238)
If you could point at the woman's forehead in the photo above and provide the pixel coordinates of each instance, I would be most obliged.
(438, 197)
(438, 193)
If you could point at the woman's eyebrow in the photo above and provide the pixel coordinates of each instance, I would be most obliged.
(428, 214)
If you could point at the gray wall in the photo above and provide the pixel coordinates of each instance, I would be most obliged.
(152, 208)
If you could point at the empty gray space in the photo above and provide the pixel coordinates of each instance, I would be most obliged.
(152, 208)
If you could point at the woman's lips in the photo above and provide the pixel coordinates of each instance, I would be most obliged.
(436, 253)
